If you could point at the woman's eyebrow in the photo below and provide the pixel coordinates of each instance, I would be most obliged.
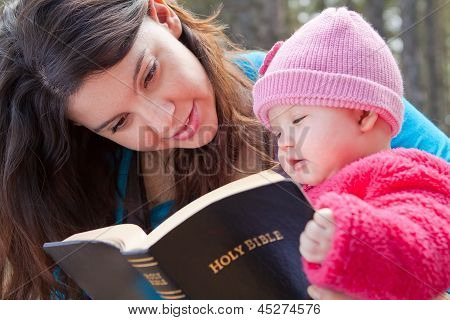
(136, 73)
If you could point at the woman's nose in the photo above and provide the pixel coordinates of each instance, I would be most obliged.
(158, 115)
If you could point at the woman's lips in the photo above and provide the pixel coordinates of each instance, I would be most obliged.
(191, 127)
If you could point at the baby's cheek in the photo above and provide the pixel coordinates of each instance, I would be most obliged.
(314, 174)
(313, 148)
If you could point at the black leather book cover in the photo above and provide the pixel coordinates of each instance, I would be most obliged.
(244, 246)
(241, 247)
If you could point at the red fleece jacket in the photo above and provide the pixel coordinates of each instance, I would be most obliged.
(392, 217)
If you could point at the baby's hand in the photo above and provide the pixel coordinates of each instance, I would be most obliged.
(315, 240)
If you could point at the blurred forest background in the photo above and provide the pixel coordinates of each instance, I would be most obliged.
(417, 31)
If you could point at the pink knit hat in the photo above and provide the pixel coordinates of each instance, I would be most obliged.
(337, 60)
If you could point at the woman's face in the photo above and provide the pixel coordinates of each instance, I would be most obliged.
(157, 97)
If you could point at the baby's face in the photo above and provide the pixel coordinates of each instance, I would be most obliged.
(314, 142)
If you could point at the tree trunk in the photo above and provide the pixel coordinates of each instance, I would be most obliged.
(434, 57)
(256, 23)
(374, 12)
(411, 54)
(349, 4)
(319, 5)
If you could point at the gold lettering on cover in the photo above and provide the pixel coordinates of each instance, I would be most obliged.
(215, 266)
(155, 279)
(263, 239)
(144, 265)
(278, 235)
(250, 244)
(239, 250)
(147, 259)
(232, 255)
(270, 238)
(257, 242)
(225, 260)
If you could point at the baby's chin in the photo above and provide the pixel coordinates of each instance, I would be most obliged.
(310, 178)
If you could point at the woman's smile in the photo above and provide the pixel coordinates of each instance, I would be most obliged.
(190, 126)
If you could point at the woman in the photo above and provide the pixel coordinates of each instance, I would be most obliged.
(85, 82)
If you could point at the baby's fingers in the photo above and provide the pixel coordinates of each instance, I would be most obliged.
(311, 250)
(317, 233)
(324, 218)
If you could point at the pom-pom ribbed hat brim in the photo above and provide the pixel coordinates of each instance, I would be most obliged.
(316, 88)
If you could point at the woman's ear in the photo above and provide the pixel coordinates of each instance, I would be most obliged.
(160, 12)
(367, 120)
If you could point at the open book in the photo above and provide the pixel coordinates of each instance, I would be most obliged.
(239, 241)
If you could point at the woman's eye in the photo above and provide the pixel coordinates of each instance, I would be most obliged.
(278, 135)
(119, 124)
(151, 72)
(298, 120)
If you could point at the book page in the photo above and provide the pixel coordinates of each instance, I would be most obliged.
(125, 237)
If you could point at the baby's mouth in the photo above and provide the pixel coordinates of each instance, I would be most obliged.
(294, 162)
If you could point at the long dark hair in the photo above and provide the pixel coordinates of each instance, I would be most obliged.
(59, 179)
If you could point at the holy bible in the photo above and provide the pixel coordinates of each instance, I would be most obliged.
(239, 241)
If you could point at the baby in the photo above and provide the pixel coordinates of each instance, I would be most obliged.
(332, 94)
